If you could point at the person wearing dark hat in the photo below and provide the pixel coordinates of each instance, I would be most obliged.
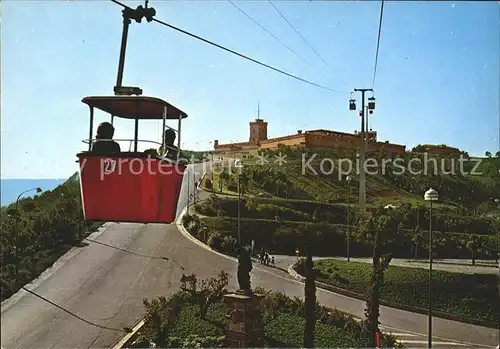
(104, 143)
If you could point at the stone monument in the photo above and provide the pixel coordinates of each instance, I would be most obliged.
(246, 327)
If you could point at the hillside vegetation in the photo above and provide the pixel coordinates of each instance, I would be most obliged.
(280, 224)
(49, 225)
(469, 189)
(281, 200)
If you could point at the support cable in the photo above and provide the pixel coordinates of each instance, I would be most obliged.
(274, 36)
(298, 33)
(378, 43)
(238, 54)
(125, 329)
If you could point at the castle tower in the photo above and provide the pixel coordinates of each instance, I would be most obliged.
(258, 129)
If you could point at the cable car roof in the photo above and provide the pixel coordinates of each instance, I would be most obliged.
(131, 107)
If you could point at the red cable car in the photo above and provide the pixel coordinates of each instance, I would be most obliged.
(131, 186)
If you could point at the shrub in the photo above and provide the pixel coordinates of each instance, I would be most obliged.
(283, 237)
(186, 219)
(175, 322)
(208, 292)
(208, 184)
(469, 295)
(160, 315)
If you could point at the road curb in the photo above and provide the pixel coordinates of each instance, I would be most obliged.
(129, 335)
(190, 237)
(351, 294)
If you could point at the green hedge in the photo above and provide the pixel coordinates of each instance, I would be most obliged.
(469, 295)
(287, 331)
(266, 208)
(303, 210)
(283, 237)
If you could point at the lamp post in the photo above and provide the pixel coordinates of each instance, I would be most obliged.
(189, 193)
(430, 195)
(348, 179)
(239, 165)
(195, 186)
(16, 236)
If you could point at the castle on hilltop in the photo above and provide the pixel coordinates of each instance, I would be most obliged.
(320, 138)
(306, 139)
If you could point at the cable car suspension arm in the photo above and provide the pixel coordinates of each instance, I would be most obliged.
(128, 14)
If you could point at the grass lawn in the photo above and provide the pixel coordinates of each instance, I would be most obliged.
(472, 296)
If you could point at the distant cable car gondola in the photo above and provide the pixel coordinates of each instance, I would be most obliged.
(131, 186)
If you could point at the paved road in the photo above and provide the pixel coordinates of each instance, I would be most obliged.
(107, 286)
(285, 261)
(446, 266)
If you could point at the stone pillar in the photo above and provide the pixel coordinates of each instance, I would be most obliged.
(246, 327)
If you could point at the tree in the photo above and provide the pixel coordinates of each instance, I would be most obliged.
(418, 149)
(472, 245)
(309, 299)
(223, 178)
(487, 154)
(244, 181)
(416, 239)
(497, 154)
(381, 262)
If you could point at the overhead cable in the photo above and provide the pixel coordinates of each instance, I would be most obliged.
(378, 43)
(135, 253)
(125, 329)
(267, 31)
(237, 53)
(296, 31)
(127, 251)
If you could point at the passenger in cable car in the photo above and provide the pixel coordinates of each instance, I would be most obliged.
(170, 151)
(104, 143)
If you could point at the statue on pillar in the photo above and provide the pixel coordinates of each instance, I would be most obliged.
(244, 269)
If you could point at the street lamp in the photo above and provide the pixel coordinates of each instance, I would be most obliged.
(348, 179)
(16, 237)
(239, 165)
(430, 195)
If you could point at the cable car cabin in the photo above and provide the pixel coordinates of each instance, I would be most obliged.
(131, 186)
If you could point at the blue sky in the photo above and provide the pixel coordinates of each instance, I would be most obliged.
(437, 79)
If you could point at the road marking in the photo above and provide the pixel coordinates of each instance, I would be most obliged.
(433, 343)
(401, 334)
(441, 338)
